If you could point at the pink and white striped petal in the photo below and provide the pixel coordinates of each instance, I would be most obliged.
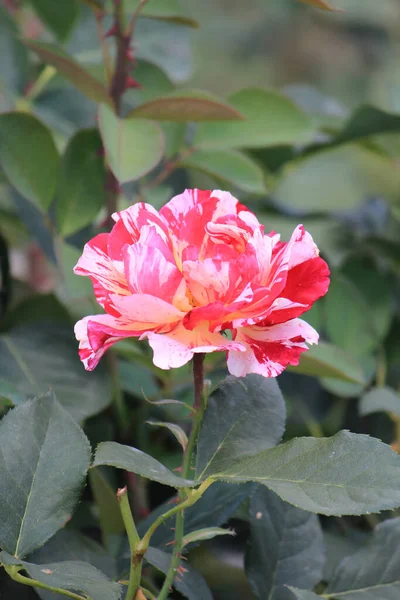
(176, 348)
(269, 350)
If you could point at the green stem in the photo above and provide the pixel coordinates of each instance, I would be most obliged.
(133, 539)
(199, 406)
(16, 576)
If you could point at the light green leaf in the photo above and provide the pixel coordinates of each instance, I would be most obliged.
(380, 399)
(133, 146)
(165, 10)
(29, 157)
(191, 585)
(135, 461)
(58, 17)
(373, 571)
(186, 105)
(70, 575)
(110, 518)
(67, 66)
(326, 360)
(176, 431)
(271, 119)
(346, 175)
(366, 121)
(45, 456)
(243, 417)
(346, 474)
(285, 546)
(231, 166)
(80, 194)
(38, 356)
(205, 534)
(348, 322)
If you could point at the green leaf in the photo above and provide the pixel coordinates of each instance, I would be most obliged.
(39, 356)
(165, 10)
(153, 82)
(70, 575)
(80, 194)
(67, 66)
(326, 360)
(9, 395)
(243, 417)
(176, 431)
(366, 121)
(347, 174)
(14, 57)
(231, 166)
(186, 105)
(45, 456)
(58, 17)
(373, 571)
(285, 547)
(205, 534)
(271, 119)
(191, 585)
(133, 146)
(380, 399)
(110, 518)
(215, 507)
(29, 157)
(347, 474)
(136, 461)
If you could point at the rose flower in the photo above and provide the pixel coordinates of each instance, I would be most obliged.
(200, 275)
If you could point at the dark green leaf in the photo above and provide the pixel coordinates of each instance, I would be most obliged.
(58, 17)
(271, 119)
(214, 508)
(135, 461)
(45, 456)
(373, 571)
(208, 533)
(165, 10)
(347, 174)
(326, 360)
(366, 121)
(70, 575)
(176, 431)
(345, 474)
(286, 546)
(380, 399)
(71, 69)
(80, 194)
(231, 166)
(14, 57)
(133, 146)
(186, 105)
(29, 157)
(243, 417)
(39, 356)
(304, 594)
(136, 379)
(191, 584)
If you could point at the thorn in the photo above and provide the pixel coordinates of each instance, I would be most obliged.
(129, 54)
(179, 469)
(144, 512)
(112, 31)
(174, 500)
(131, 83)
(182, 557)
(173, 528)
(172, 543)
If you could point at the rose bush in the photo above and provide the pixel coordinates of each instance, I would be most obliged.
(199, 268)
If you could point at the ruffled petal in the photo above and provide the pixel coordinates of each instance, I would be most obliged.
(144, 311)
(176, 348)
(269, 350)
(107, 276)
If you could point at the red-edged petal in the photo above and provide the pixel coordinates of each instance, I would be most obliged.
(145, 311)
(107, 277)
(306, 282)
(176, 348)
(269, 350)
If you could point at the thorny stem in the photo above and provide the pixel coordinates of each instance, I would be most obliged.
(199, 406)
(133, 539)
(13, 572)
